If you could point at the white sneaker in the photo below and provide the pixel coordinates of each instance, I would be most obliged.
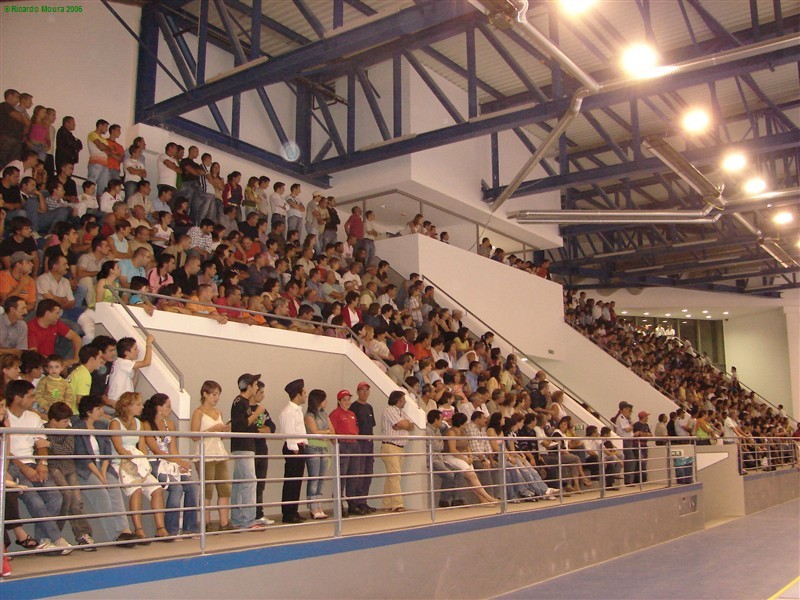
(45, 544)
(64, 545)
(265, 521)
(551, 493)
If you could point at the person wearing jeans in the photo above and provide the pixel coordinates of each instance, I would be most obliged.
(243, 420)
(351, 465)
(317, 422)
(31, 469)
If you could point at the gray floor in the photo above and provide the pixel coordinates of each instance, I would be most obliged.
(751, 557)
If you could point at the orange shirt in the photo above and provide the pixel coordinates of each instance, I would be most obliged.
(8, 284)
(112, 162)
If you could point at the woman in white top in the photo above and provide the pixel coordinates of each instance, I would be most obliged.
(208, 419)
(162, 235)
(132, 470)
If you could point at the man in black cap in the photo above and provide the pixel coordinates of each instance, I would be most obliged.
(243, 420)
(365, 415)
(291, 422)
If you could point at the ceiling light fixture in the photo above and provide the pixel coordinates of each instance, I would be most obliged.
(640, 61)
(684, 310)
(708, 316)
(756, 185)
(688, 316)
(734, 162)
(576, 7)
(782, 218)
(725, 313)
(705, 312)
(695, 121)
(646, 314)
(668, 315)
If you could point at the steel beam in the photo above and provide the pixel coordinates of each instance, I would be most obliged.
(411, 21)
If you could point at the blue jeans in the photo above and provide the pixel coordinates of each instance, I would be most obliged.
(40, 504)
(295, 224)
(365, 447)
(100, 175)
(350, 469)
(103, 499)
(243, 492)
(186, 490)
(317, 465)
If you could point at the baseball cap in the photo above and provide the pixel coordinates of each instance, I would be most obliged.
(20, 256)
(246, 380)
(343, 393)
(293, 388)
(363, 385)
(625, 405)
(643, 414)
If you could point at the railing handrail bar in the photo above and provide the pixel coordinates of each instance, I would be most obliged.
(353, 334)
(514, 347)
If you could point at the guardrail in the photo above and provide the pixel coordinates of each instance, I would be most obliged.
(502, 477)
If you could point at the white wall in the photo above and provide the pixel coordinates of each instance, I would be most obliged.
(758, 346)
(509, 300)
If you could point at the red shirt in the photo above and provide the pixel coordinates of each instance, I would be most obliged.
(42, 339)
(344, 423)
(354, 226)
(400, 347)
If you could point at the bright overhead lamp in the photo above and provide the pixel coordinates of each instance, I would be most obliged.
(726, 313)
(756, 185)
(705, 312)
(640, 61)
(708, 316)
(798, 243)
(624, 312)
(688, 316)
(782, 218)
(734, 162)
(695, 120)
(684, 310)
(576, 7)
(668, 315)
(646, 314)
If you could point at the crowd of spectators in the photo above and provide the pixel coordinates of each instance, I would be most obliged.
(710, 404)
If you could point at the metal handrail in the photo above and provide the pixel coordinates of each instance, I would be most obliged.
(517, 350)
(666, 392)
(353, 335)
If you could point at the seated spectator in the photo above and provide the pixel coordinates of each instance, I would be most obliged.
(54, 388)
(175, 472)
(47, 327)
(13, 328)
(133, 267)
(17, 281)
(132, 466)
(53, 285)
(29, 466)
(161, 274)
(204, 294)
(64, 474)
(20, 239)
(458, 456)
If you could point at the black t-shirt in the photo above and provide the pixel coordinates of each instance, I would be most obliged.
(365, 417)
(538, 400)
(54, 251)
(9, 245)
(183, 280)
(10, 195)
(70, 187)
(100, 379)
(261, 443)
(250, 231)
(9, 126)
(240, 413)
(185, 174)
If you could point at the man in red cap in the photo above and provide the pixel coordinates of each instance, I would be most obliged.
(351, 465)
(641, 431)
(365, 416)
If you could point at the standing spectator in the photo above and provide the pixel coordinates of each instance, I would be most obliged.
(290, 422)
(116, 153)
(243, 420)
(354, 226)
(317, 423)
(365, 416)
(13, 125)
(232, 193)
(134, 173)
(208, 419)
(68, 147)
(395, 427)
(278, 204)
(661, 429)
(641, 430)
(31, 469)
(168, 169)
(331, 230)
(371, 234)
(265, 424)
(344, 422)
(98, 155)
(624, 429)
(38, 136)
(296, 211)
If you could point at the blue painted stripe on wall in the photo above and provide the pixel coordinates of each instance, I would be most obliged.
(752, 476)
(74, 583)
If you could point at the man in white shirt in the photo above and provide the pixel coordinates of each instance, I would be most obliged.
(396, 427)
(277, 204)
(168, 168)
(732, 431)
(291, 422)
(683, 425)
(476, 402)
(31, 468)
(296, 212)
(624, 429)
(125, 368)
